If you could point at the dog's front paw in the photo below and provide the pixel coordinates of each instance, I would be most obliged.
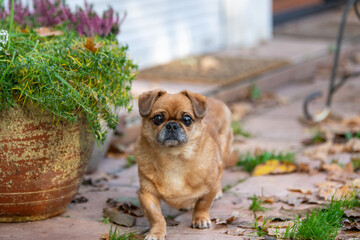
(201, 222)
(155, 236)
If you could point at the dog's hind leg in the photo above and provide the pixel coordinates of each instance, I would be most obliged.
(201, 217)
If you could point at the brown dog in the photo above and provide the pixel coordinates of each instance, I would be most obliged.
(185, 142)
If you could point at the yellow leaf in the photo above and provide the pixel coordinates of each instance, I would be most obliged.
(273, 167)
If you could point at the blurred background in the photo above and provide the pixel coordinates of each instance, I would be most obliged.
(158, 31)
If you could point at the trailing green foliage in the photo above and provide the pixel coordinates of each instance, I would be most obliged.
(63, 77)
(249, 162)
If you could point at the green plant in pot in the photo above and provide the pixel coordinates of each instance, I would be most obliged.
(61, 72)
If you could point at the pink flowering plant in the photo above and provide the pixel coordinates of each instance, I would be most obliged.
(47, 13)
(67, 62)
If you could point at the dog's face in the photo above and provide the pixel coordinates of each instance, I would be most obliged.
(171, 119)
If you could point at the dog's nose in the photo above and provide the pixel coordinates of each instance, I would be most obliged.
(172, 126)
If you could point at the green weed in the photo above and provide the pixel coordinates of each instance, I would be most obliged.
(238, 129)
(130, 160)
(260, 230)
(256, 204)
(255, 92)
(249, 162)
(350, 135)
(322, 223)
(226, 188)
(356, 163)
(105, 220)
(118, 235)
(318, 137)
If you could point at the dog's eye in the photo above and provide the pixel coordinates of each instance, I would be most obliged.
(187, 120)
(158, 119)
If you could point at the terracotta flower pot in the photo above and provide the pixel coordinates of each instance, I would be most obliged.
(42, 162)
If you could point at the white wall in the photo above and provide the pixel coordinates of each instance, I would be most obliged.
(158, 31)
(247, 22)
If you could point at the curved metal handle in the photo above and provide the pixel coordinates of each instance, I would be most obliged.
(333, 86)
(319, 116)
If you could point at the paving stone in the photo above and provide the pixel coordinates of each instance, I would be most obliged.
(277, 185)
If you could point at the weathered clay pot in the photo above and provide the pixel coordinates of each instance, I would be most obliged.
(42, 162)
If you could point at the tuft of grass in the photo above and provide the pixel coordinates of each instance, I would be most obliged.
(323, 223)
(226, 188)
(350, 135)
(105, 220)
(255, 92)
(130, 160)
(249, 162)
(356, 163)
(318, 137)
(256, 204)
(117, 234)
(238, 129)
(260, 230)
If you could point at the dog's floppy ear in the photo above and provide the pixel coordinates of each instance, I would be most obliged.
(147, 99)
(198, 102)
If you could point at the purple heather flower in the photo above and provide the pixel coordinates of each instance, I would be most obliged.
(54, 12)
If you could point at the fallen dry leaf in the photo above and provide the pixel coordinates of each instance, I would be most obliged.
(354, 183)
(300, 190)
(89, 45)
(227, 221)
(293, 200)
(269, 200)
(313, 200)
(328, 185)
(273, 167)
(349, 169)
(320, 152)
(236, 232)
(296, 211)
(126, 205)
(337, 194)
(304, 167)
(353, 213)
(350, 225)
(47, 32)
(333, 167)
(352, 146)
(118, 217)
